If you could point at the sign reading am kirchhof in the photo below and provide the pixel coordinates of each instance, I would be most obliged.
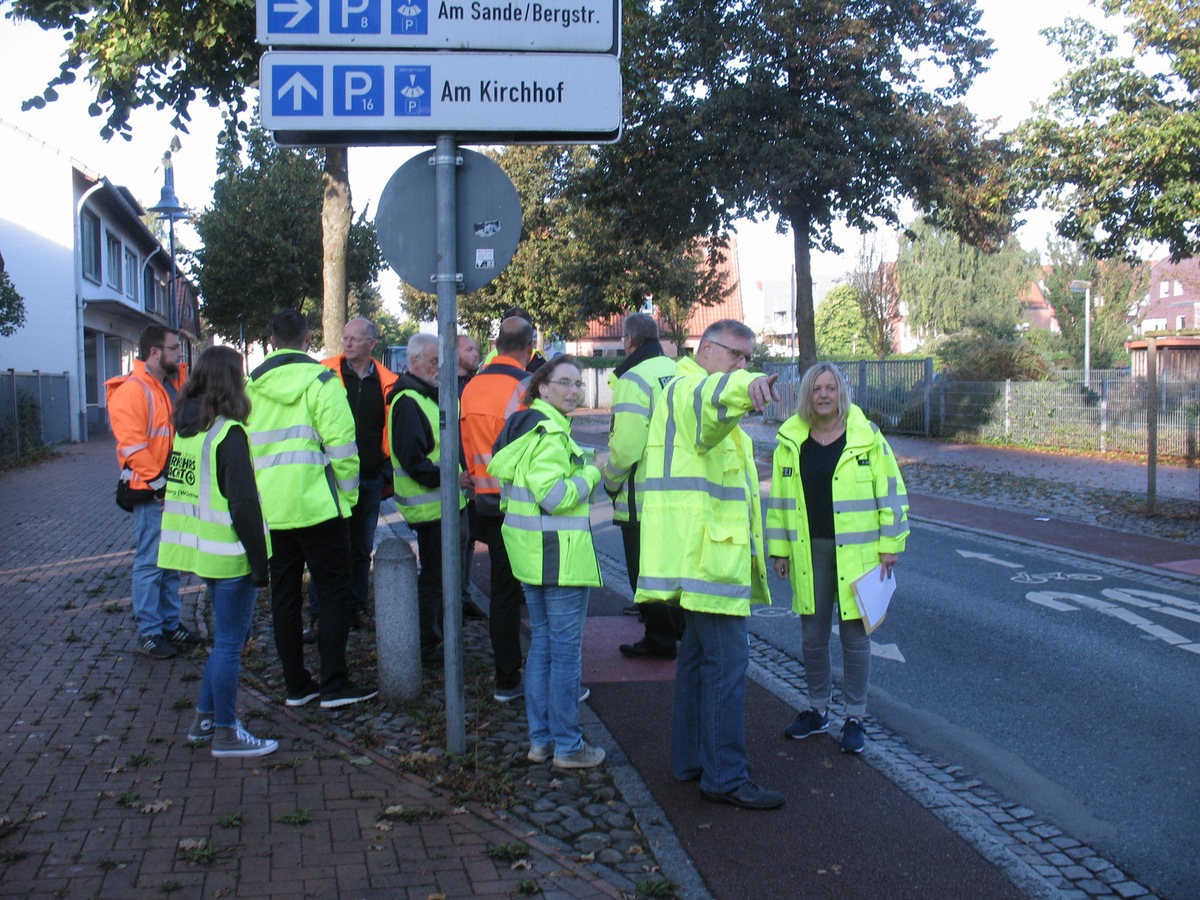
(410, 97)
(588, 26)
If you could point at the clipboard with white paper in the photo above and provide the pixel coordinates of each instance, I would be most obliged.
(873, 596)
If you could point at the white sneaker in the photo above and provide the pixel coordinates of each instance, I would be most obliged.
(237, 741)
(586, 757)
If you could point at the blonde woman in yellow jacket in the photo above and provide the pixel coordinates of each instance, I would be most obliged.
(836, 510)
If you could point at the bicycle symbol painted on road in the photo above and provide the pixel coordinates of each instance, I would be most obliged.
(1031, 578)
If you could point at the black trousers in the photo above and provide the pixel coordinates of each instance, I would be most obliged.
(430, 605)
(325, 547)
(664, 621)
(504, 621)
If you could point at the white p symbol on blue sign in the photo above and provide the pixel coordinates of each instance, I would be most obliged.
(358, 91)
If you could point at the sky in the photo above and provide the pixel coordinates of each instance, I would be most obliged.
(1022, 72)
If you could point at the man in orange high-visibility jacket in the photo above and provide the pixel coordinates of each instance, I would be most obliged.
(368, 383)
(487, 401)
(140, 409)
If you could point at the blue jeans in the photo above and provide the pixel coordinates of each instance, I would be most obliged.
(554, 666)
(708, 722)
(155, 591)
(364, 519)
(233, 608)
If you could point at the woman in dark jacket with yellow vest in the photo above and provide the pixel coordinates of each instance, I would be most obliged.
(546, 480)
(213, 526)
(837, 509)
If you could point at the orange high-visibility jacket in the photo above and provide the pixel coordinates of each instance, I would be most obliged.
(387, 378)
(139, 412)
(487, 401)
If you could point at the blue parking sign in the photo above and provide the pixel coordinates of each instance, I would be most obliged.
(358, 91)
(414, 91)
(355, 16)
(410, 18)
(297, 90)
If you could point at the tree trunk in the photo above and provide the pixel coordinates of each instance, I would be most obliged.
(806, 330)
(335, 240)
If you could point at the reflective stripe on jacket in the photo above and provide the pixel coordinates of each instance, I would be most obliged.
(487, 401)
(635, 394)
(197, 530)
(870, 509)
(547, 483)
(302, 440)
(702, 541)
(419, 502)
(139, 413)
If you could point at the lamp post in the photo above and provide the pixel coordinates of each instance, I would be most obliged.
(169, 208)
(1086, 287)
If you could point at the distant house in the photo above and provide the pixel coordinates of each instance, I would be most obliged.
(603, 336)
(1036, 312)
(92, 273)
(1173, 300)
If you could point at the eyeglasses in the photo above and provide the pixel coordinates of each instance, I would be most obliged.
(739, 355)
(568, 383)
(171, 347)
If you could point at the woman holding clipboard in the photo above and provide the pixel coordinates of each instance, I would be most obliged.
(837, 510)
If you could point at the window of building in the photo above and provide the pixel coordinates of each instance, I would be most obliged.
(1180, 322)
(131, 273)
(1164, 289)
(89, 237)
(114, 260)
(1178, 288)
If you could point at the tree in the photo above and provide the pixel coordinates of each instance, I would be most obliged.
(262, 240)
(875, 285)
(839, 324)
(1115, 147)
(949, 286)
(12, 305)
(1116, 288)
(819, 110)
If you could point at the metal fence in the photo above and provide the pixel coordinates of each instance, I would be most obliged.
(35, 411)
(892, 392)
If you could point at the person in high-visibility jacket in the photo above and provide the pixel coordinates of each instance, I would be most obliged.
(368, 384)
(416, 455)
(547, 481)
(837, 509)
(486, 403)
(213, 526)
(140, 409)
(302, 440)
(637, 385)
(702, 548)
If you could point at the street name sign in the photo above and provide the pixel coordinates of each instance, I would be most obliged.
(326, 98)
(546, 25)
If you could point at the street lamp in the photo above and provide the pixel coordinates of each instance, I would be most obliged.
(1086, 288)
(169, 208)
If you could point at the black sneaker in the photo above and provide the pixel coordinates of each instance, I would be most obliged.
(155, 646)
(304, 697)
(184, 638)
(853, 736)
(808, 722)
(347, 694)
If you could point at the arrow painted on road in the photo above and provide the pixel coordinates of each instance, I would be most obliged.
(298, 85)
(887, 651)
(987, 557)
(298, 8)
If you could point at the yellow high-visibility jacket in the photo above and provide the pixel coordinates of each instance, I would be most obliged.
(702, 536)
(635, 392)
(870, 509)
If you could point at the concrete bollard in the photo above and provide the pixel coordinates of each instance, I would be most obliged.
(397, 621)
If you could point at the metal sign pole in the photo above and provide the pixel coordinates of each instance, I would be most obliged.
(445, 162)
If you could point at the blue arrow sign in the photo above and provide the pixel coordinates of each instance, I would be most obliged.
(298, 91)
(297, 17)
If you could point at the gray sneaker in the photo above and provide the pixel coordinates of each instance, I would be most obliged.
(237, 741)
(586, 757)
(203, 727)
(539, 753)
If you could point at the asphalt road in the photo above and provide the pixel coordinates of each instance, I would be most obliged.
(1054, 680)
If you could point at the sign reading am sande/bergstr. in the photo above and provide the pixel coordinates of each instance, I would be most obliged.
(544, 25)
(403, 98)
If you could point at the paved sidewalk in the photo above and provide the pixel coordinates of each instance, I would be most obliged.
(101, 794)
